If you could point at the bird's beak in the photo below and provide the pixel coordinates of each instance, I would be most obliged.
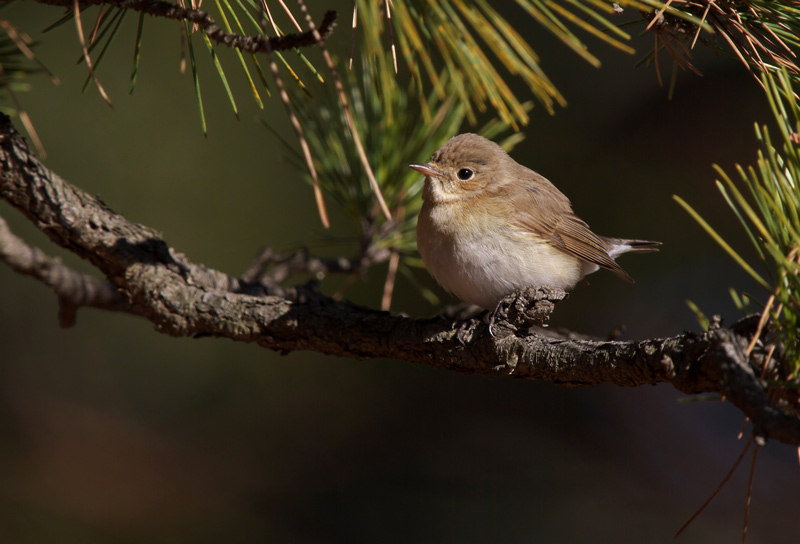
(425, 169)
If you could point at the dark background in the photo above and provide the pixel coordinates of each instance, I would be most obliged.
(111, 432)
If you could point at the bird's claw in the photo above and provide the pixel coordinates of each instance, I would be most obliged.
(524, 308)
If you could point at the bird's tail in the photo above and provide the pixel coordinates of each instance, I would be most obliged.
(618, 246)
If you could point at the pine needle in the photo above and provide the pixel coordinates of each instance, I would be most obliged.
(348, 114)
(749, 494)
(291, 15)
(718, 488)
(195, 76)
(221, 72)
(298, 128)
(391, 277)
(79, 27)
(659, 14)
(23, 41)
(23, 115)
(228, 28)
(721, 242)
(136, 52)
(391, 34)
(353, 35)
(119, 17)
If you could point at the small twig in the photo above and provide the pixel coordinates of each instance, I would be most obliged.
(249, 44)
(73, 289)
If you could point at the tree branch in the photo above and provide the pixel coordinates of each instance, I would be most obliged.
(73, 289)
(249, 44)
(183, 298)
(273, 268)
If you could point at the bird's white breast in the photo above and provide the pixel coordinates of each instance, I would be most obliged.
(486, 259)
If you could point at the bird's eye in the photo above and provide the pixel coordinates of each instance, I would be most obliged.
(464, 174)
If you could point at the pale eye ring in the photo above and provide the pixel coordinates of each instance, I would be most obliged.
(465, 174)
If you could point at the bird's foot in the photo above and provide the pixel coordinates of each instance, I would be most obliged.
(523, 309)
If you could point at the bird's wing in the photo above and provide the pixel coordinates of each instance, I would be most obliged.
(549, 217)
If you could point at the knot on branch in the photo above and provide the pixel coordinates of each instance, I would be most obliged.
(523, 309)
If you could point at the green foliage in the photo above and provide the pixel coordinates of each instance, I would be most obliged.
(770, 214)
(460, 31)
(242, 17)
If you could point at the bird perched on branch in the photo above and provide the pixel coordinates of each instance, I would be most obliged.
(489, 226)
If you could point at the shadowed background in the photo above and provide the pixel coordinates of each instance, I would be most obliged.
(111, 432)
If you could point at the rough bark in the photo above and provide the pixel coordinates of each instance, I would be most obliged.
(146, 277)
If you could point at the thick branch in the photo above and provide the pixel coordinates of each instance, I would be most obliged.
(250, 44)
(183, 298)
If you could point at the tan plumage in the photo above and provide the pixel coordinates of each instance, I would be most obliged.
(489, 226)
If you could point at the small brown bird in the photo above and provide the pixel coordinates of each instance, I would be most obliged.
(489, 226)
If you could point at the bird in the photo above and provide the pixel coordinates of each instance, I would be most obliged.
(489, 226)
